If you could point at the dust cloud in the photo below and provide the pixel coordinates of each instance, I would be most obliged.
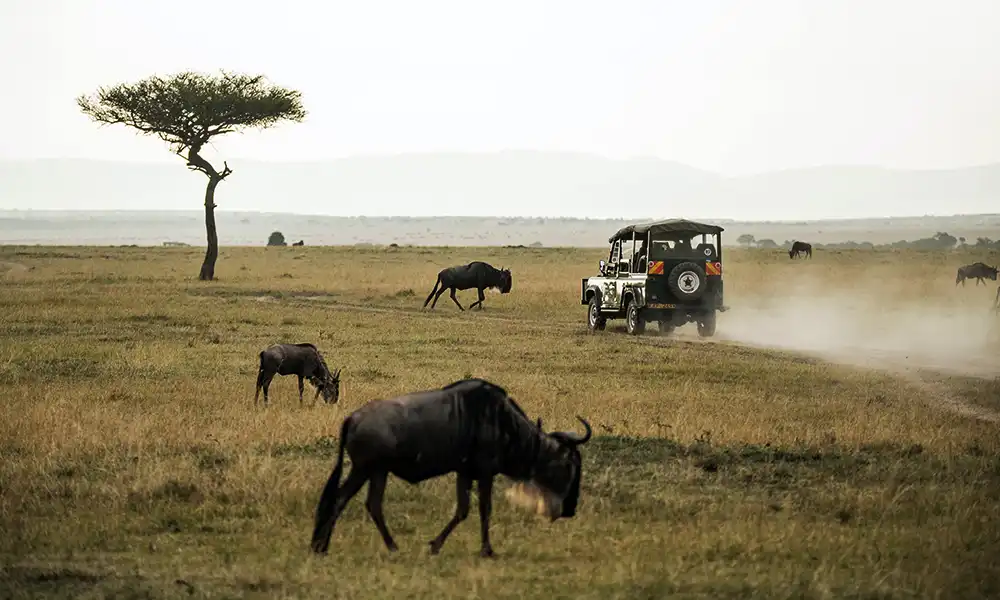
(872, 326)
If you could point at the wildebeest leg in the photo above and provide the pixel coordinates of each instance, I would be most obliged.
(352, 485)
(455, 299)
(301, 388)
(463, 485)
(376, 491)
(266, 384)
(482, 297)
(441, 291)
(485, 507)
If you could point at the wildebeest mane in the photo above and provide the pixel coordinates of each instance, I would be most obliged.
(319, 356)
(522, 438)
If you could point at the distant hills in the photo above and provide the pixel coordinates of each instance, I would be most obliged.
(534, 184)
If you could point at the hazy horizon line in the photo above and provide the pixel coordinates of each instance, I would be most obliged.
(219, 210)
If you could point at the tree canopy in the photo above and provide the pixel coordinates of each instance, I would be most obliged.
(187, 109)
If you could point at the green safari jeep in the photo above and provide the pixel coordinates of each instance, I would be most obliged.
(667, 271)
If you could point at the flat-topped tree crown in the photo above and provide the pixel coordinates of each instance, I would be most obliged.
(187, 110)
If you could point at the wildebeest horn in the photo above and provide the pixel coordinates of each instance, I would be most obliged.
(575, 439)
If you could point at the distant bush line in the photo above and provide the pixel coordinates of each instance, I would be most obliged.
(939, 241)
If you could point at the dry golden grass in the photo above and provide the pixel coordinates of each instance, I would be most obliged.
(133, 463)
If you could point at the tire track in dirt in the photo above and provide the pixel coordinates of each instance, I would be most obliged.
(933, 392)
(909, 370)
(13, 269)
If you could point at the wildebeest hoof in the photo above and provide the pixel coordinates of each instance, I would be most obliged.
(392, 547)
(320, 547)
(435, 547)
(487, 553)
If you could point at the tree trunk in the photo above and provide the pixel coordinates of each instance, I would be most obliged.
(212, 252)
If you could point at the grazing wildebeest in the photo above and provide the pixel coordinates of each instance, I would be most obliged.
(976, 270)
(303, 360)
(299, 243)
(800, 247)
(471, 428)
(477, 275)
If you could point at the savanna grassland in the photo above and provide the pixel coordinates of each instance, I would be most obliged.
(133, 463)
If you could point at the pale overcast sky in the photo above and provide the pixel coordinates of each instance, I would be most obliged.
(730, 86)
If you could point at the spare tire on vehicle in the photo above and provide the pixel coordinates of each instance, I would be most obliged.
(687, 281)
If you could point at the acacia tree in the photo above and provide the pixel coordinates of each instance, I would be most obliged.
(187, 110)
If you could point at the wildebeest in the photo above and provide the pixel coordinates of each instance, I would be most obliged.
(303, 360)
(799, 248)
(299, 243)
(478, 274)
(471, 428)
(976, 270)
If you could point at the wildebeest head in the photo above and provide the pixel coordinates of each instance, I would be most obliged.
(505, 280)
(558, 468)
(329, 386)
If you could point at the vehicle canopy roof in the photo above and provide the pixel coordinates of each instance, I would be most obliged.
(666, 226)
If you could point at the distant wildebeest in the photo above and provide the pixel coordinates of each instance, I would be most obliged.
(471, 428)
(800, 248)
(976, 270)
(299, 243)
(303, 360)
(477, 275)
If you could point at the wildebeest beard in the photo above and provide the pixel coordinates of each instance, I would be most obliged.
(328, 385)
(553, 464)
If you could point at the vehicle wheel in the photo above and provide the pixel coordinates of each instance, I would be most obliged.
(595, 322)
(687, 281)
(666, 327)
(706, 325)
(634, 322)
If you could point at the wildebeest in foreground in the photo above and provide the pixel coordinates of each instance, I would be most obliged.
(976, 270)
(478, 274)
(303, 360)
(800, 248)
(471, 428)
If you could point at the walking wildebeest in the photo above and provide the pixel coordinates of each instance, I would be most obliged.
(471, 428)
(976, 270)
(303, 360)
(477, 275)
(800, 247)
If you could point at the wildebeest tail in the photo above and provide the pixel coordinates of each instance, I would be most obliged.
(431, 295)
(328, 499)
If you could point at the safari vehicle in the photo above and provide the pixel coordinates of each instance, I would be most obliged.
(667, 271)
